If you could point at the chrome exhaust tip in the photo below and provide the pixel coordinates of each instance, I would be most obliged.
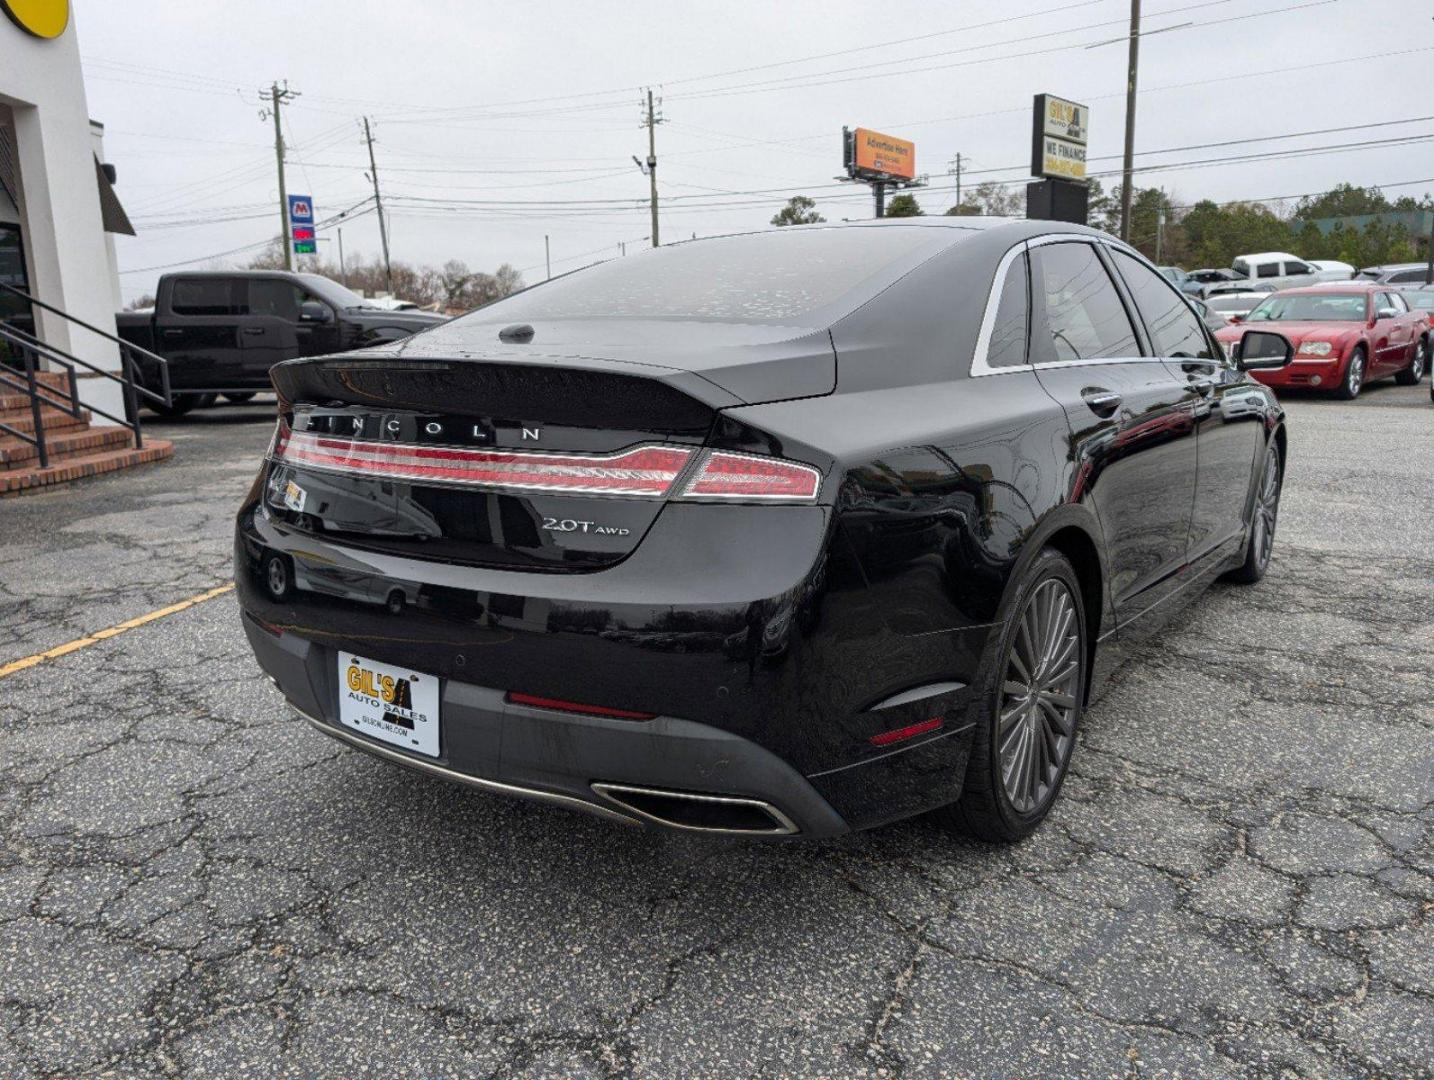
(694, 812)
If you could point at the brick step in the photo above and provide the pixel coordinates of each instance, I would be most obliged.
(49, 378)
(13, 399)
(63, 444)
(53, 419)
(17, 481)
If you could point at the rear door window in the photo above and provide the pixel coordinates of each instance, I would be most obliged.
(1007, 347)
(204, 296)
(1081, 314)
(1408, 277)
(1174, 328)
(1269, 269)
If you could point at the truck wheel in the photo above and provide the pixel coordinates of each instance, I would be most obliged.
(182, 403)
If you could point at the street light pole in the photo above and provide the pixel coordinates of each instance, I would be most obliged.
(1129, 164)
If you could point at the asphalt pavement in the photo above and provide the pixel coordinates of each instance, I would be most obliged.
(1237, 881)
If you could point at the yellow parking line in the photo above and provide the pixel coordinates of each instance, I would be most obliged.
(111, 631)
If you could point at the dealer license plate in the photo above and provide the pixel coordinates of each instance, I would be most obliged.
(395, 705)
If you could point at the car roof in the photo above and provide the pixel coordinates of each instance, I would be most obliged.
(1386, 268)
(1282, 255)
(1336, 286)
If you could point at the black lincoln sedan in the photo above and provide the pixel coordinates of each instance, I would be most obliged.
(779, 534)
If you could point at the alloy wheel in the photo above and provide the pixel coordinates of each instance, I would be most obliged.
(1038, 696)
(1355, 379)
(1417, 368)
(1267, 509)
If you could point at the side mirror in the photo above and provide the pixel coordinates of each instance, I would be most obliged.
(1263, 350)
(312, 311)
(1387, 313)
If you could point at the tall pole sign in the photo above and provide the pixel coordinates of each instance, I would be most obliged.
(301, 224)
(1060, 130)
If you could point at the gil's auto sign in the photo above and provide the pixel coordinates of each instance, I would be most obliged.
(1059, 139)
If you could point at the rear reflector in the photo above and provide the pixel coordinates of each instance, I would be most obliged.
(886, 738)
(535, 702)
(746, 476)
(648, 471)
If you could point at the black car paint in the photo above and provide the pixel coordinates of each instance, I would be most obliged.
(219, 352)
(805, 630)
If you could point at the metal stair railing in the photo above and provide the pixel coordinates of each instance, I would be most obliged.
(67, 400)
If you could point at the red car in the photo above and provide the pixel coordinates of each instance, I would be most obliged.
(1344, 335)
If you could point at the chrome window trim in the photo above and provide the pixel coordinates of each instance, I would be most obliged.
(979, 356)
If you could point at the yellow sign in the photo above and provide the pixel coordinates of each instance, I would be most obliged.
(885, 154)
(43, 18)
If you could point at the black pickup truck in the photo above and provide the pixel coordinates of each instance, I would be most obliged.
(222, 331)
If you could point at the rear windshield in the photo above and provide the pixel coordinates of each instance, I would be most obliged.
(1231, 303)
(774, 277)
(1312, 307)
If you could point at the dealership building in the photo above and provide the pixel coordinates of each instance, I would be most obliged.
(58, 217)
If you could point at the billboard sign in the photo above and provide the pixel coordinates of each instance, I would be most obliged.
(870, 155)
(1058, 139)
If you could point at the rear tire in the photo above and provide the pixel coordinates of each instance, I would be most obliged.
(1261, 542)
(1353, 381)
(1411, 375)
(1031, 697)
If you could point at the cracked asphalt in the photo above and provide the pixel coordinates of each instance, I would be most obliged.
(1237, 881)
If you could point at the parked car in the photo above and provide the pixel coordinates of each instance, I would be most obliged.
(1419, 298)
(1197, 281)
(1334, 266)
(1397, 274)
(1234, 306)
(896, 533)
(1343, 338)
(1231, 288)
(1212, 319)
(222, 332)
(1279, 269)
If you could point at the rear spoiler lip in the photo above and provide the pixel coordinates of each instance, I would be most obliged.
(690, 383)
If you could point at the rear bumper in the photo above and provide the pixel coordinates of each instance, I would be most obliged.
(629, 772)
(769, 663)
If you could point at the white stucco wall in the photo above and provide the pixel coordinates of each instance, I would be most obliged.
(65, 242)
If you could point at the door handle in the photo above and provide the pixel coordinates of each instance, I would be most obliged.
(173, 333)
(1203, 387)
(253, 331)
(1101, 402)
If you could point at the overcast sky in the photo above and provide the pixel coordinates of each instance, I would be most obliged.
(496, 124)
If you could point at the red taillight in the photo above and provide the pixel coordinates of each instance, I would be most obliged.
(646, 471)
(886, 738)
(557, 705)
(746, 476)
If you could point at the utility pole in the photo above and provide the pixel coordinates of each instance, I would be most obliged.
(880, 190)
(378, 204)
(652, 122)
(548, 256)
(343, 271)
(1130, 84)
(956, 172)
(276, 98)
